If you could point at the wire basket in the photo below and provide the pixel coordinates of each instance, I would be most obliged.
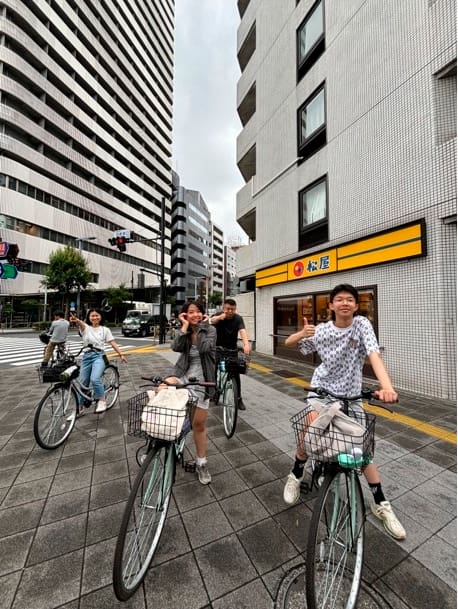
(51, 374)
(156, 421)
(327, 445)
(237, 364)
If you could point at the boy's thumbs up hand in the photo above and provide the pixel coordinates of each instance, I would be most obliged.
(309, 329)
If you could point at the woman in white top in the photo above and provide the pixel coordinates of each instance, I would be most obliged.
(94, 333)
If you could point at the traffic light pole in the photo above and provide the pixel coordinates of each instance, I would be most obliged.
(162, 291)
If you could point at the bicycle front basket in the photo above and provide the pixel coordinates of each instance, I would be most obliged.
(162, 423)
(237, 365)
(326, 445)
(51, 374)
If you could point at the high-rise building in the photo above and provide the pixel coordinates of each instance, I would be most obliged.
(86, 129)
(191, 244)
(217, 261)
(348, 150)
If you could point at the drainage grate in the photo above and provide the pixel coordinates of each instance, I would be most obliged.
(291, 593)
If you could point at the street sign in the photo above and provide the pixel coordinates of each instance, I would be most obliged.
(4, 247)
(122, 233)
(8, 271)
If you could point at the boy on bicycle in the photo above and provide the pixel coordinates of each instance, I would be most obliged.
(58, 332)
(343, 344)
(228, 325)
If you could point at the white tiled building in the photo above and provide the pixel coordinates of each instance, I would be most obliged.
(86, 130)
(348, 151)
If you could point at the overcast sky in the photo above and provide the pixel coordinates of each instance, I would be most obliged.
(206, 122)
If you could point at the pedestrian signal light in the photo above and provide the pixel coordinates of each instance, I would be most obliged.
(13, 252)
(8, 271)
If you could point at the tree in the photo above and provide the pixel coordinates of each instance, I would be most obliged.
(117, 298)
(216, 298)
(67, 272)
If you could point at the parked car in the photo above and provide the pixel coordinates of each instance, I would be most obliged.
(140, 325)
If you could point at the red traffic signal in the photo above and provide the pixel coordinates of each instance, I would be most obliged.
(121, 243)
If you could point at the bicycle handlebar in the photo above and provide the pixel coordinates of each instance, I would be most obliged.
(159, 380)
(366, 394)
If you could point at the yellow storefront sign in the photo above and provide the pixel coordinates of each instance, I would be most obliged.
(408, 241)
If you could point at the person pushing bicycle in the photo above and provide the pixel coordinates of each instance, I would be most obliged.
(343, 344)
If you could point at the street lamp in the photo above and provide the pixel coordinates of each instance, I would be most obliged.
(79, 241)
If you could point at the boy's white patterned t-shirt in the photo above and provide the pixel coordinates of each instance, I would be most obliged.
(342, 352)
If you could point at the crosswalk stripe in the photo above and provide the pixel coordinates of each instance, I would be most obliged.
(26, 352)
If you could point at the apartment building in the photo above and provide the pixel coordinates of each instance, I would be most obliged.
(348, 151)
(217, 261)
(86, 129)
(191, 244)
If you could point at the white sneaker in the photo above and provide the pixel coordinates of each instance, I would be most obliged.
(101, 406)
(384, 512)
(292, 490)
(203, 474)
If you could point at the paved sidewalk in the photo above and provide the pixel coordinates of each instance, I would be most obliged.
(227, 545)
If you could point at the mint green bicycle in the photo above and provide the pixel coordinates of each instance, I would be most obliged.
(335, 545)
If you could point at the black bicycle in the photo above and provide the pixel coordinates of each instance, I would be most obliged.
(165, 430)
(230, 362)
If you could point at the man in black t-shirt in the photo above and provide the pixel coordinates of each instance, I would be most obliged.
(228, 325)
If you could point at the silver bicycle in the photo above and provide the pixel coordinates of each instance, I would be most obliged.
(59, 408)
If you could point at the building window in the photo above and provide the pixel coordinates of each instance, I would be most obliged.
(312, 124)
(313, 214)
(310, 39)
(444, 99)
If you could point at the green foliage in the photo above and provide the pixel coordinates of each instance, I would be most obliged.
(30, 305)
(117, 296)
(216, 299)
(67, 270)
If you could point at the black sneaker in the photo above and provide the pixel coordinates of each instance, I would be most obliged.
(241, 404)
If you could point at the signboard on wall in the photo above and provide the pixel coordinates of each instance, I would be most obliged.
(407, 241)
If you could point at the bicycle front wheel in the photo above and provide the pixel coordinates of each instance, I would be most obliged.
(230, 406)
(55, 416)
(110, 379)
(143, 520)
(335, 545)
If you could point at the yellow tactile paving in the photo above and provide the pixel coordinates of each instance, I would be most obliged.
(426, 428)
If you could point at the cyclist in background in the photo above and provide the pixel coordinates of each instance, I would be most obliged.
(94, 333)
(343, 344)
(228, 325)
(57, 334)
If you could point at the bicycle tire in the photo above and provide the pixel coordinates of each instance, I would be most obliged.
(141, 529)
(335, 544)
(110, 380)
(55, 416)
(230, 406)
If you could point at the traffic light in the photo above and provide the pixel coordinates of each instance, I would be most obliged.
(121, 243)
(13, 253)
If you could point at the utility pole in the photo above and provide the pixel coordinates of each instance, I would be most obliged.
(162, 289)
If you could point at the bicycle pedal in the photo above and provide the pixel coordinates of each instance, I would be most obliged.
(190, 467)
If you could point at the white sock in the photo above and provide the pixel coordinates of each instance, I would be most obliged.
(201, 460)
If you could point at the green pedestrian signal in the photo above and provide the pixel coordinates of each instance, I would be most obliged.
(8, 271)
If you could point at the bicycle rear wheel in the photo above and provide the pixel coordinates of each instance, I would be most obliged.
(143, 520)
(55, 416)
(335, 545)
(110, 379)
(230, 406)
